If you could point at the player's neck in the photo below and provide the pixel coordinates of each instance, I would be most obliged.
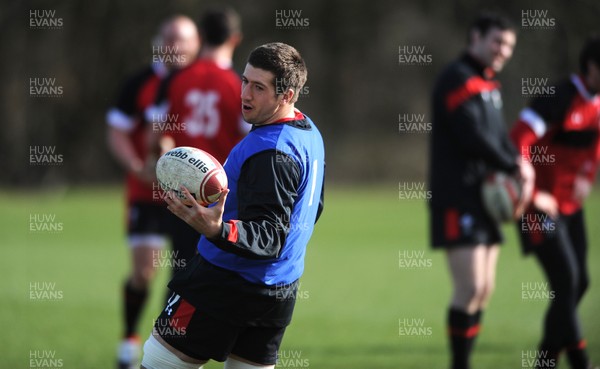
(220, 55)
(284, 113)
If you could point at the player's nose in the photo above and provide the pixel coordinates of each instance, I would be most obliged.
(246, 92)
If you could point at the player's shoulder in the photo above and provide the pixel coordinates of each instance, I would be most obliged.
(205, 65)
(300, 130)
(223, 71)
(203, 71)
(553, 107)
(140, 76)
(455, 74)
(566, 87)
(143, 73)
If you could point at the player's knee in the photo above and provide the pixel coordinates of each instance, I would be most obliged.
(584, 284)
(469, 294)
(567, 287)
(480, 293)
(486, 293)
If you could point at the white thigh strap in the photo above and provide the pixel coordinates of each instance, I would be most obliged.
(156, 356)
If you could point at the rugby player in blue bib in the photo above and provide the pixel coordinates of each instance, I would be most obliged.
(236, 297)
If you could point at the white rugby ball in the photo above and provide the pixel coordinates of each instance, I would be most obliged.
(501, 193)
(195, 169)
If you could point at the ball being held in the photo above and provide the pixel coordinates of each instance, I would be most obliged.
(196, 170)
(501, 194)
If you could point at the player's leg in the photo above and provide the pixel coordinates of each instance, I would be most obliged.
(144, 243)
(578, 236)
(491, 260)
(184, 241)
(134, 301)
(180, 323)
(576, 351)
(557, 257)
(489, 283)
(467, 268)
(469, 275)
(189, 336)
(144, 254)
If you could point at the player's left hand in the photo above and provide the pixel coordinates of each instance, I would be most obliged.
(208, 221)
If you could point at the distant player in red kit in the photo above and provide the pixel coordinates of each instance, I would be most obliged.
(560, 136)
(203, 100)
(127, 140)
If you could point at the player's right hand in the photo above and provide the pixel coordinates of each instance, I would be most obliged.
(147, 173)
(546, 203)
(206, 220)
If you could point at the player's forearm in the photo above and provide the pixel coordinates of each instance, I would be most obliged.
(263, 239)
(523, 137)
(122, 149)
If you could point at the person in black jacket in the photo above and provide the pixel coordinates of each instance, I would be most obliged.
(469, 141)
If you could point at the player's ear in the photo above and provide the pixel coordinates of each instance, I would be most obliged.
(288, 96)
(474, 37)
(236, 38)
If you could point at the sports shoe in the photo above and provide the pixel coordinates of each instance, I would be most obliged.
(129, 353)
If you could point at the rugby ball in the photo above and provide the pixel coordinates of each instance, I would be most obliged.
(501, 193)
(195, 169)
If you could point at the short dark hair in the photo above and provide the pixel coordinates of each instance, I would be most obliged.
(487, 21)
(284, 62)
(217, 25)
(590, 52)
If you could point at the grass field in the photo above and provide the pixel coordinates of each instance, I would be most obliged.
(61, 286)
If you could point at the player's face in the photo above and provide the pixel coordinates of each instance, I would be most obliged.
(260, 103)
(593, 76)
(180, 39)
(495, 48)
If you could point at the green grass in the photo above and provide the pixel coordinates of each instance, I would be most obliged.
(354, 292)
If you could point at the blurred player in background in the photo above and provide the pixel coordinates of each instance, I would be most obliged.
(204, 98)
(559, 135)
(469, 141)
(128, 139)
(200, 106)
(236, 298)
